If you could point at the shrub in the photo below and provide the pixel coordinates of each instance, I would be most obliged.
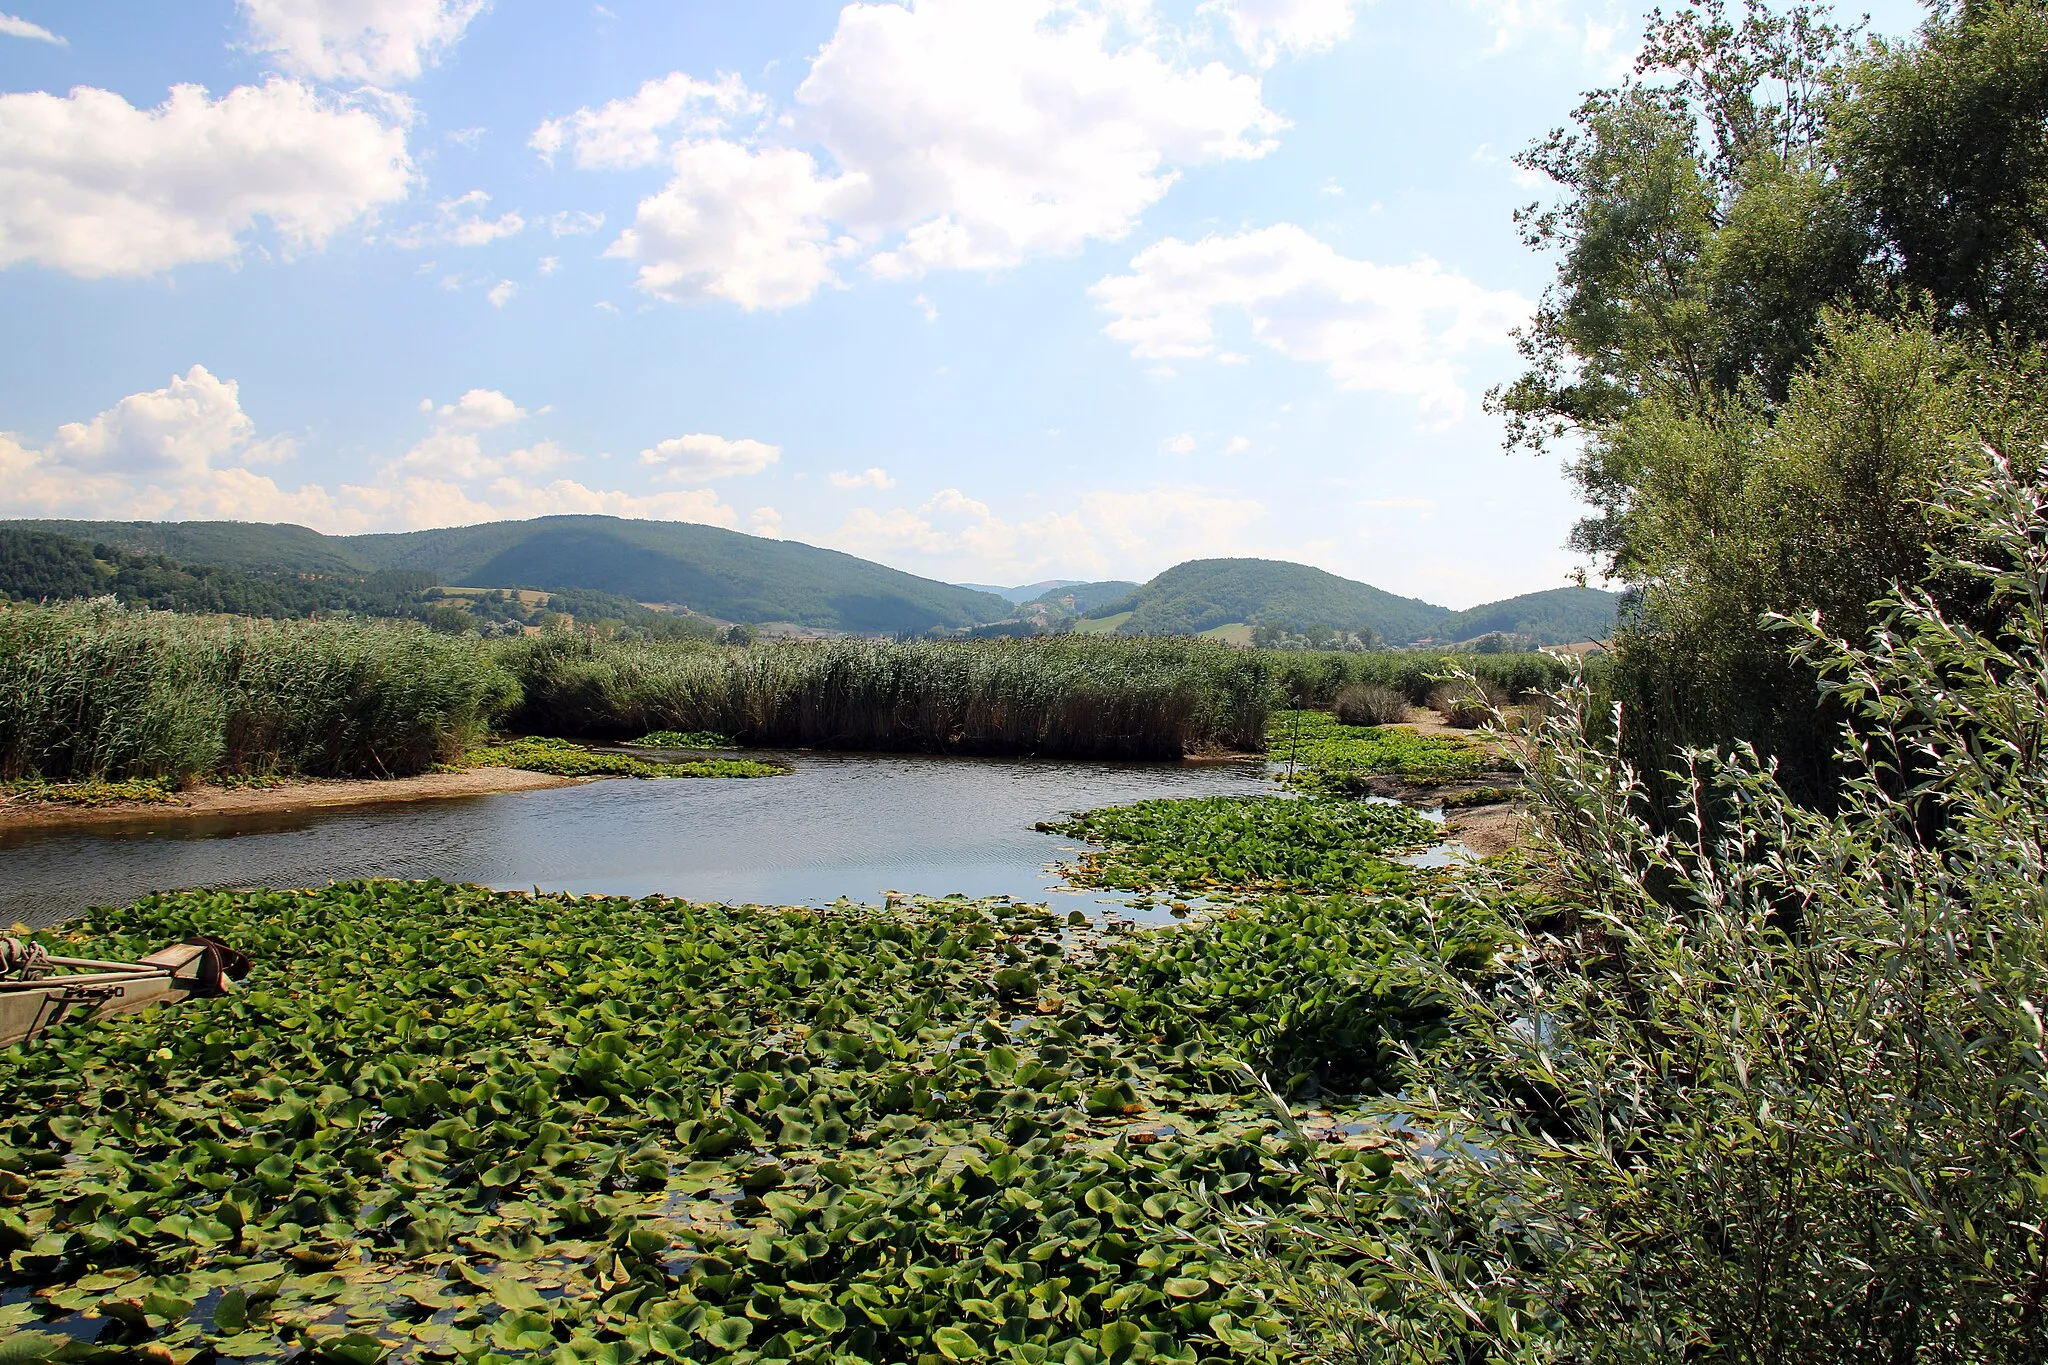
(1370, 704)
(1762, 1084)
(1468, 703)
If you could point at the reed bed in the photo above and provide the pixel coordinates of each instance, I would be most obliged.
(1153, 699)
(1315, 678)
(93, 691)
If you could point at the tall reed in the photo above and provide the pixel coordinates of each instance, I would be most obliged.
(92, 690)
(1314, 678)
(1064, 697)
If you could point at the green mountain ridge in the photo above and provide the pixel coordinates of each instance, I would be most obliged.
(1203, 594)
(735, 577)
(712, 571)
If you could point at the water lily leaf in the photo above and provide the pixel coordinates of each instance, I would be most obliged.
(231, 1312)
(1186, 1289)
(353, 1349)
(825, 1317)
(957, 1343)
(1118, 1337)
(19, 1348)
(727, 1334)
(514, 1295)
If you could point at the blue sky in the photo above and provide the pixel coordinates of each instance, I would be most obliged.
(990, 290)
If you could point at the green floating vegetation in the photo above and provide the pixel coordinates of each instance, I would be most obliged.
(442, 1123)
(1247, 843)
(97, 792)
(1329, 756)
(1482, 796)
(684, 739)
(566, 759)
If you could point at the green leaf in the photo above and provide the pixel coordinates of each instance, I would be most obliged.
(957, 1343)
(727, 1334)
(1186, 1289)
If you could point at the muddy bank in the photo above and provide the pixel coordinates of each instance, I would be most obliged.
(303, 795)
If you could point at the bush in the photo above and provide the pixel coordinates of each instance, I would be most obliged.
(1468, 703)
(1370, 704)
(1761, 1084)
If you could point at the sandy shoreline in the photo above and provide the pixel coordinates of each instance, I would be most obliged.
(302, 795)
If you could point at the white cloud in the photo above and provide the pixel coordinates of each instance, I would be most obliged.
(376, 42)
(867, 478)
(628, 133)
(961, 134)
(91, 185)
(1104, 533)
(1267, 29)
(185, 451)
(1400, 329)
(1183, 444)
(461, 222)
(501, 293)
(478, 410)
(927, 307)
(765, 521)
(549, 265)
(1239, 445)
(575, 223)
(738, 224)
(12, 27)
(702, 457)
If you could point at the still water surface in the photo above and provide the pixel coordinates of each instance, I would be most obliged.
(854, 825)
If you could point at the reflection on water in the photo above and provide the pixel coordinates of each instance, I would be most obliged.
(855, 825)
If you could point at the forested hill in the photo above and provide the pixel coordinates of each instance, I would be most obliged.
(1556, 617)
(712, 571)
(1206, 594)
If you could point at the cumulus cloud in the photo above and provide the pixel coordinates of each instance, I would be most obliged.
(1400, 329)
(703, 457)
(1268, 29)
(765, 521)
(187, 450)
(631, 132)
(376, 42)
(1183, 444)
(870, 477)
(501, 293)
(958, 134)
(12, 27)
(91, 185)
(1103, 533)
(1239, 445)
(749, 226)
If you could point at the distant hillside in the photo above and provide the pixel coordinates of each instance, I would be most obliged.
(712, 571)
(1029, 592)
(1560, 616)
(222, 544)
(1205, 593)
(1083, 598)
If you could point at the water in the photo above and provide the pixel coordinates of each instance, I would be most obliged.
(854, 825)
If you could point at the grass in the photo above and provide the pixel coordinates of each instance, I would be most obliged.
(443, 1123)
(92, 691)
(1247, 843)
(677, 739)
(1153, 699)
(1329, 756)
(566, 759)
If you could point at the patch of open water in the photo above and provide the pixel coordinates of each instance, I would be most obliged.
(853, 825)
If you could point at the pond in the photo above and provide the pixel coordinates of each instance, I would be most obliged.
(854, 825)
